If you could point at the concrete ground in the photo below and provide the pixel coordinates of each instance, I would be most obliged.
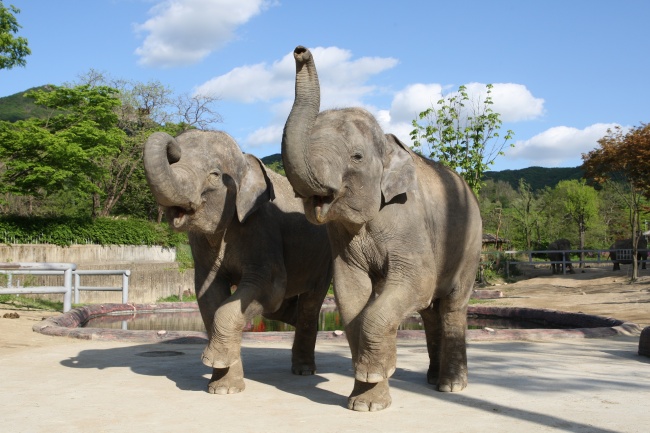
(573, 385)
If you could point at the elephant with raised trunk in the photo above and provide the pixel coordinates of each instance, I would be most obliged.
(247, 232)
(405, 234)
(556, 255)
(620, 252)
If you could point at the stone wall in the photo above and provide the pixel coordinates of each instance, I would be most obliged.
(85, 253)
(154, 271)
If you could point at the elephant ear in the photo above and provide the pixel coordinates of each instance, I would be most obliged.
(399, 169)
(255, 188)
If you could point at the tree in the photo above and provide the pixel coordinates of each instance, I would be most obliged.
(462, 134)
(69, 150)
(145, 108)
(623, 162)
(525, 212)
(581, 205)
(13, 50)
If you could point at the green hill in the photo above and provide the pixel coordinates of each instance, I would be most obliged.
(536, 177)
(18, 107)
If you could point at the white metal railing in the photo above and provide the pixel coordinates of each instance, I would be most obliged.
(124, 288)
(65, 269)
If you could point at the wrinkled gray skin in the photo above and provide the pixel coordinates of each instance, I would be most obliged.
(562, 245)
(246, 229)
(626, 244)
(405, 234)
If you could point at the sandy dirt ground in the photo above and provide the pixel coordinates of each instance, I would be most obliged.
(595, 290)
(598, 291)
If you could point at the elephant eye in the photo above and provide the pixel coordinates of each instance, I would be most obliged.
(357, 157)
(215, 178)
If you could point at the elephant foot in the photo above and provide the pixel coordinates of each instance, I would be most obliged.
(219, 358)
(306, 369)
(227, 380)
(369, 397)
(451, 382)
(432, 374)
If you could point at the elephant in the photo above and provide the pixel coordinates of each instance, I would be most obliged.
(626, 244)
(248, 233)
(555, 256)
(405, 234)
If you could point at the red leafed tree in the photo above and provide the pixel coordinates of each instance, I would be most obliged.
(623, 160)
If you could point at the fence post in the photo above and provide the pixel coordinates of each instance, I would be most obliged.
(125, 286)
(67, 283)
(76, 287)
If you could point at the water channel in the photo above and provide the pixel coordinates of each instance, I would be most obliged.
(329, 320)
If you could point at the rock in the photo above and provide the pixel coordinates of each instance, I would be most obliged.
(12, 315)
(644, 342)
(487, 294)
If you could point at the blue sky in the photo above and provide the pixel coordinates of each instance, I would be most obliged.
(563, 71)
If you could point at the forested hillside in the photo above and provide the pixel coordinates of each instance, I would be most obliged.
(18, 107)
(537, 177)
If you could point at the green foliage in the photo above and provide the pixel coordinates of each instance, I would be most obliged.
(66, 231)
(184, 257)
(66, 150)
(13, 49)
(175, 298)
(462, 134)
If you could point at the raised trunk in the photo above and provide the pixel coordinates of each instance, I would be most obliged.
(160, 151)
(303, 114)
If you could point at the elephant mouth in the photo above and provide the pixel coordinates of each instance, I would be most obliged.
(178, 217)
(322, 206)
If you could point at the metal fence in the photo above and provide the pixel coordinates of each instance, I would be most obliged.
(68, 270)
(532, 258)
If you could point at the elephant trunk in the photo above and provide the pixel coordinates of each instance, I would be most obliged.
(170, 187)
(303, 114)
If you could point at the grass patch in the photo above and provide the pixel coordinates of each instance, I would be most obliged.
(175, 298)
(184, 257)
(29, 303)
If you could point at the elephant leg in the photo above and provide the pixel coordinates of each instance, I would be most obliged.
(228, 380)
(302, 352)
(433, 331)
(224, 347)
(353, 291)
(453, 352)
(377, 356)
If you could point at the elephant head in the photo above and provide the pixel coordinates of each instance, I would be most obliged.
(339, 161)
(202, 179)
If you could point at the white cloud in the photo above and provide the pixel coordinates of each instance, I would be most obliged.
(559, 146)
(342, 80)
(513, 102)
(183, 32)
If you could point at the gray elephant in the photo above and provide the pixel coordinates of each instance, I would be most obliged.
(246, 230)
(556, 256)
(618, 257)
(405, 234)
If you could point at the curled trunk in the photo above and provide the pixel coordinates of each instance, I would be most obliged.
(161, 151)
(303, 114)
